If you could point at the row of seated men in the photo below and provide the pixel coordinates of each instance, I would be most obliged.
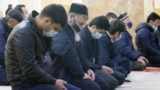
(53, 51)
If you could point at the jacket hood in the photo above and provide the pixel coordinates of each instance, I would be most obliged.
(144, 25)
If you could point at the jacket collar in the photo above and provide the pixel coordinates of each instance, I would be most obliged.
(88, 33)
(32, 21)
(144, 26)
(107, 35)
(35, 28)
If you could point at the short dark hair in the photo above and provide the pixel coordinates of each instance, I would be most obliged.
(153, 16)
(56, 12)
(10, 5)
(15, 14)
(19, 7)
(116, 25)
(101, 22)
(111, 15)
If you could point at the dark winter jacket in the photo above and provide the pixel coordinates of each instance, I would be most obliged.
(69, 61)
(125, 47)
(90, 47)
(107, 54)
(145, 40)
(157, 34)
(25, 55)
(4, 33)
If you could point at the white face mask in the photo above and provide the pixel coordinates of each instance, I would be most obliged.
(97, 35)
(154, 27)
(50, 33)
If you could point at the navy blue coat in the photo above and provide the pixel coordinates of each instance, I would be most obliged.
(157, 33)
(68, 56)
(90, 47)
(125, 47)
(4, 33)
(145, 40)
(107, 54)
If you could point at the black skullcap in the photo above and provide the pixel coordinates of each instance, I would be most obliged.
(78, 8)
(15, 14)
(123, 16)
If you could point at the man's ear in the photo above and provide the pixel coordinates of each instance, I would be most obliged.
(10, 22)
(151, 22)
(47, 20)
(93, 26)
(72, 16)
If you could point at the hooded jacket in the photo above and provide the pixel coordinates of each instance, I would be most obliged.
(145, 40)
(125, 47)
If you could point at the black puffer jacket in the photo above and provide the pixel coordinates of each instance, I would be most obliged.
(26, 60)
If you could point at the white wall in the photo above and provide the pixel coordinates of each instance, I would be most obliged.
(149, 6)
(30, 4)
(77, 1)
(4, 5)
(157, 3)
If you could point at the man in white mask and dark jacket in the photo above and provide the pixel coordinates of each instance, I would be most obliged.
(28, 64)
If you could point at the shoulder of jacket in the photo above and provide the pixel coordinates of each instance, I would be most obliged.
(24, 24)
(61, 43)
(22, 30)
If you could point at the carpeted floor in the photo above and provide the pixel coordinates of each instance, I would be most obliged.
(139, 81)
(142, 81)
(5, 88)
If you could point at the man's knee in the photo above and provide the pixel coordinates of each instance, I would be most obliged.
(95, 87)
(71, 87)
(111, 80)
(119, 76)
(42, 87)
(86, 84)
(102, 83)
